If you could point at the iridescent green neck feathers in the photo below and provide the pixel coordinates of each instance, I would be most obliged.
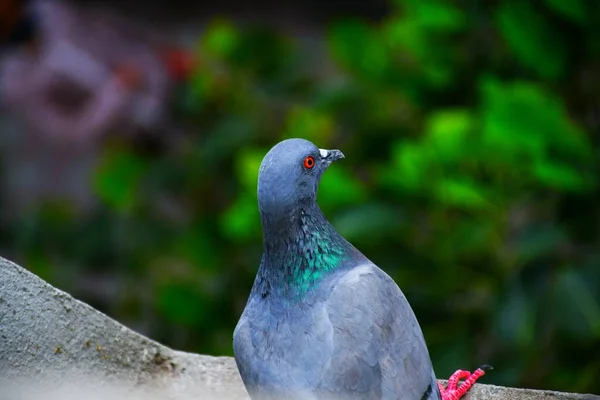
(301, 251)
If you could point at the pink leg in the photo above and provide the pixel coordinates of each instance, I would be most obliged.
(454, 391)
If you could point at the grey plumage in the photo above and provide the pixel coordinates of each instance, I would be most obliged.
(322, 321)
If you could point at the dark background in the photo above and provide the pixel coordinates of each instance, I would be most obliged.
(470, 130)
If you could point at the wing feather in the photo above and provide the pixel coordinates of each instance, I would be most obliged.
(378, 348)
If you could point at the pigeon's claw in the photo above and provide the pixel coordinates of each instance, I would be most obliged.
(454, 391)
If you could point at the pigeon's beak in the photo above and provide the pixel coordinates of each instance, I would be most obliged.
(330, 156)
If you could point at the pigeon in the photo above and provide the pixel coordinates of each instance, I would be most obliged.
(323, 322)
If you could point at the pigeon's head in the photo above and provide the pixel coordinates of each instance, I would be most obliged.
(289, 175)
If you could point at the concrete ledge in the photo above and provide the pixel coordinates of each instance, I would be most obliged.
(53, 346)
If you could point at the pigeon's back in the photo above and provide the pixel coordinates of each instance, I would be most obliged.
(364, 343)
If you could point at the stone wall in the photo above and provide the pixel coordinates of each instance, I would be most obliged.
(55, 347)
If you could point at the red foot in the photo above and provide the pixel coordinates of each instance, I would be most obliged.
(452, 392)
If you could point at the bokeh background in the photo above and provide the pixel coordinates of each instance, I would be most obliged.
(131, 133)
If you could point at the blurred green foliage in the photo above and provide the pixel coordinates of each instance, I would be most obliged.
(471, 176)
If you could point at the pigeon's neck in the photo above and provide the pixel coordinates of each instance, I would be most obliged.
(300, 250)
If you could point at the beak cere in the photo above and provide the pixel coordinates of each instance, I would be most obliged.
(331, 155)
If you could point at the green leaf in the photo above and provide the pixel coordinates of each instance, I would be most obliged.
(410, 165)
(523, 121)
(433, 15)
(247, 166)
(575, 10)
(406, 36)
(221, 38)
(338, 188)
(512, 115)
(418, 52)
(448, 132)
(241, 221)
(559, 176)
(438, 16)
(309, 124)
(358, 48)
(460, 193)
(117, 180)
(535, 43)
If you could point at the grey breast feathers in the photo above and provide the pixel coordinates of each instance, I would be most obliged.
(379, 351)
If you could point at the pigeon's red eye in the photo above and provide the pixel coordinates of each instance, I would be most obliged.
(309, 162)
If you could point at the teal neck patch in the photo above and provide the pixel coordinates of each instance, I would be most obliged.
(316, 257)
(296, 260)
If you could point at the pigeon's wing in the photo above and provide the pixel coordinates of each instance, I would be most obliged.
(378, 348)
